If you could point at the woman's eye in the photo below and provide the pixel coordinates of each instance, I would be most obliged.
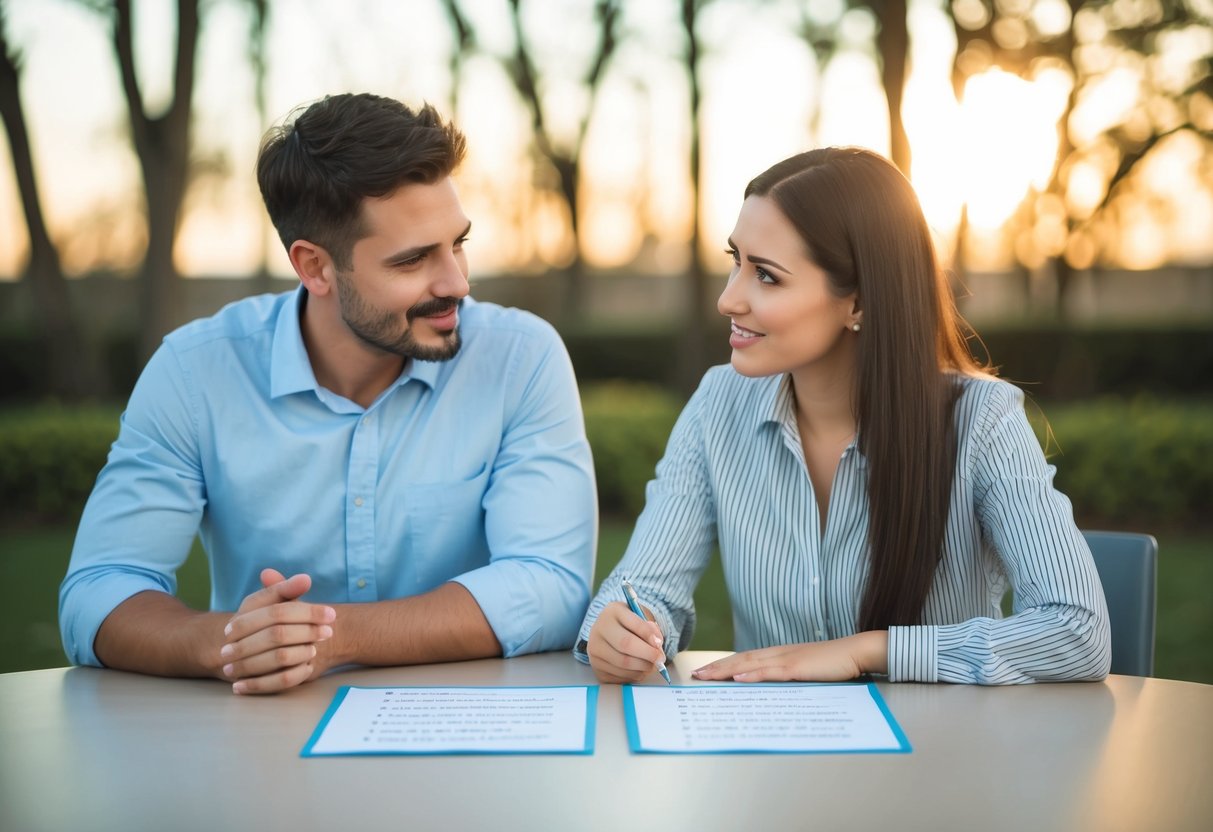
(764, 276)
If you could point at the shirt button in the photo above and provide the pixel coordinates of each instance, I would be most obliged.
(816, 580)
(362, 583)
(358, 501)
(820, 634)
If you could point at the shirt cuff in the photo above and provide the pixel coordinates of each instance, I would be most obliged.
(86, 605)
(913, 654)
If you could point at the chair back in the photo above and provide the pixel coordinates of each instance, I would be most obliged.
(1128, 568)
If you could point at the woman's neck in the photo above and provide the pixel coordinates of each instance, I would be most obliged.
(825, 400)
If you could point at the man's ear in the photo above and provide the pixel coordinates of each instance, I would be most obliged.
(314, 266)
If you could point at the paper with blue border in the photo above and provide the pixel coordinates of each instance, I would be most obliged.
(761, 719)
(434, 720)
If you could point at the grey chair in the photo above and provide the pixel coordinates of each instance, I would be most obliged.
(1128, 567)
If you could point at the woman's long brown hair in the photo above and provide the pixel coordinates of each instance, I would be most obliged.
(864, 227)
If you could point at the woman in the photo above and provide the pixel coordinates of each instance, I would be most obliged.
(873, 491)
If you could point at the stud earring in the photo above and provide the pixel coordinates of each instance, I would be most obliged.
(855, 327)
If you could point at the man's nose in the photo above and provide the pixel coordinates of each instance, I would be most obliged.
(451, 281)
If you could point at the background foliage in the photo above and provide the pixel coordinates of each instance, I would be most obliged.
(1142, 462)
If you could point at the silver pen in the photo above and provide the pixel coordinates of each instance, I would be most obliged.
(634, 603)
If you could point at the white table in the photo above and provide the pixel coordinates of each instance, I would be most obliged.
(86, 749)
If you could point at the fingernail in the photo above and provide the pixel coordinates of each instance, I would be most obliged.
(330, 614)
(227, 651)
(656, 641)
(227, 670)
(324, 632)
(227, 631)
(695, 673)
(239, 687)
(741, 677)
(313, 651)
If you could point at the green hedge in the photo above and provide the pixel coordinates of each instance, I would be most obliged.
(627, 425)
(1144, 463)
(49, 459)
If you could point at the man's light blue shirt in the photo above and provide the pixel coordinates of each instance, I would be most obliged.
(475, 470)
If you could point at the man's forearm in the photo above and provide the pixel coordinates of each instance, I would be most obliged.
(154, 632)
(443, 625)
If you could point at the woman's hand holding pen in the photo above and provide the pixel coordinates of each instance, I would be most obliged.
(272, 640)
(623, 647)
(819, 661)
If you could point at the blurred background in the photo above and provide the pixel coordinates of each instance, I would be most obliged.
(1062, 151)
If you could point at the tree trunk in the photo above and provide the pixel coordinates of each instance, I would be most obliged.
(162, 143)
(258, 47)
(691, 364)
(67, 359)
(1063, 270)
(568, 169)
(160, 297)
(893, 43)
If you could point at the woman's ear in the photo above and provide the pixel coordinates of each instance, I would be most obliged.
(855, 319)
(313, 266)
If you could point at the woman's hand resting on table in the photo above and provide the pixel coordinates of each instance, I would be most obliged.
(820, 661)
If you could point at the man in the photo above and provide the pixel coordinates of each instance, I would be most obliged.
(416, 462)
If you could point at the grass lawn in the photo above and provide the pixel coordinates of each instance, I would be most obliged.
(33, 561)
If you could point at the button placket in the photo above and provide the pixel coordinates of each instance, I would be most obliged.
(361, 479)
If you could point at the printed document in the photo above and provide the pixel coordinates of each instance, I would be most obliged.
(788, 719)
(457, 720)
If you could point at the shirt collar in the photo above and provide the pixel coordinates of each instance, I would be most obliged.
(291, 369)
(777, 406)
(775, 403)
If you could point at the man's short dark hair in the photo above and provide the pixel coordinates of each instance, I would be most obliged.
(315, 170)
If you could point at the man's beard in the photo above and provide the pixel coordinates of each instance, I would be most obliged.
(381, 330)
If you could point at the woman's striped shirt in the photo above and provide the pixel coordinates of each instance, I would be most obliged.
(734, 473)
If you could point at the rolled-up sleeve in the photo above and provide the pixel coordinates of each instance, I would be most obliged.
(1059, 628)
(143, 514)
(541, 510)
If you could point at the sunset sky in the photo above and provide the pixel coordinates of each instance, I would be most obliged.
(761, 87)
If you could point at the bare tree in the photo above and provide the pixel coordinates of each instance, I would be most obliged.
(892, 51)
(259, 12)
(465, 43)
(162, 143)
(565, 157)
(993, 34)
(64, 343)
(893, 46)
(692, 362)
